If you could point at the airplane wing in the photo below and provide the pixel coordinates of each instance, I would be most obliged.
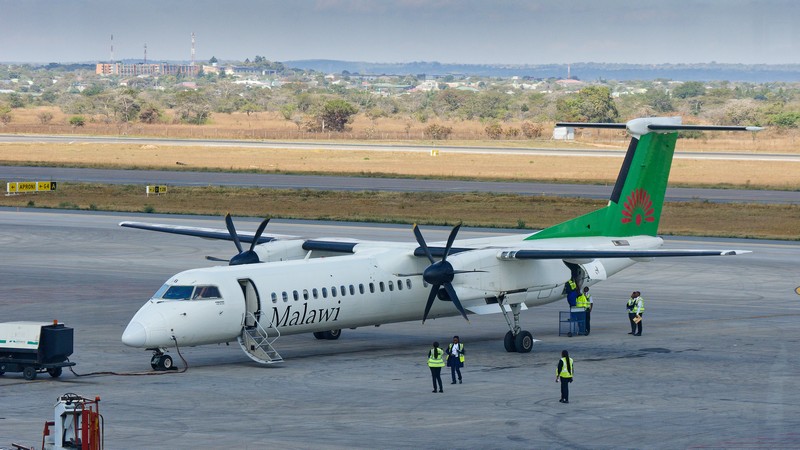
(206, 233)
(619, 253)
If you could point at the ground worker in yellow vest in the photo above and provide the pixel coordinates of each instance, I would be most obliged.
(436, 362)
(638, 313)
(589, 304)
(631, 315)
(572, 292)
(580, 311)
(564, 373)
(455, 358)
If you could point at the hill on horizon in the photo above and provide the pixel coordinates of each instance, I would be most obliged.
(757, 73)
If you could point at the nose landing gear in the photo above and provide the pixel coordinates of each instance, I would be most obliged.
(161, 361)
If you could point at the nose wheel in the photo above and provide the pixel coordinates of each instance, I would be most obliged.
(161, 361)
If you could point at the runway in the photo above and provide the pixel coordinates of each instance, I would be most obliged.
(378, 147)
(715, 368)
(341, 183)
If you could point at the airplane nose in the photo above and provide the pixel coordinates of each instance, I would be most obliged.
(134, 335)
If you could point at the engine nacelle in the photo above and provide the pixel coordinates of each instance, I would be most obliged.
(281, 250)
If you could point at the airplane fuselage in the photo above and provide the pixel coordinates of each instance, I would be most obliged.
(337, 292)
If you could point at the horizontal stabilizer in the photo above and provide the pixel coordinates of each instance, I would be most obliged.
(594, 254)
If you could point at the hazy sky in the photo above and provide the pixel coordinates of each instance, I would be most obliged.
(454, 31)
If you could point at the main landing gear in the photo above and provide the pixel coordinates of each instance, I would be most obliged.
(161, 361)
(516, 340)
(330, 335)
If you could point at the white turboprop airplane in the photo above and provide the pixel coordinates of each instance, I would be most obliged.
(286, 285)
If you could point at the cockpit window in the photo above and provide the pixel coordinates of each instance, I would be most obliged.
(178, 293)
(168, 292)
(201, 292)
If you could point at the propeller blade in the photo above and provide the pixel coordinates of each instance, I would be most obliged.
(434, 291)
(232, 231)
(214, 258)
(421, 242)
(452, 294)
(450, 241)
(259, 231)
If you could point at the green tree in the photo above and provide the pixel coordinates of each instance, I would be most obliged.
(689, 89)
(192, 107)
(659, 100)
(590, 104)
(77, 121)
(335, 115)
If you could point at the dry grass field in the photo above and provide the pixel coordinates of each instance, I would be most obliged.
(691, 218)
(754, 174)
(271, 125)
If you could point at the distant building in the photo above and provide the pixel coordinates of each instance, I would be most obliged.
(134, 70)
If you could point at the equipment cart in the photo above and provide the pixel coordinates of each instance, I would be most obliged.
(571, 323)
(35, 347)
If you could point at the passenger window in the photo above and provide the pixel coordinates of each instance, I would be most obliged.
(324, 292)
(382, 286)
(408, 283)
(360, 288)
(203, 292)
(315, 293)
(342, 291)
(352, 290)
(372, 288)
(399, 285)
(285, 296)
(295, 295)
(305, 294)
(333, 291)
(274, 298)
(178, 293)
(391, 285)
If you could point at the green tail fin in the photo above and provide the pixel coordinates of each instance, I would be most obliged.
(638, 197)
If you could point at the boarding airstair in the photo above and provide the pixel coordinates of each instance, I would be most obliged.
(256, 341)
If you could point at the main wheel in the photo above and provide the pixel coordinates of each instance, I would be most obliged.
(319, 335)
(55, 372)
(508, 342)
(524, 342)
(165, 362)
(332, 335)
(29, 373)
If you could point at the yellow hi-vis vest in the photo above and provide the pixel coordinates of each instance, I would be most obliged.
(581, 302)
(460, 351)
(564, 372)
(638, 305)
(435, 358)
(572, 285)
(631, 304)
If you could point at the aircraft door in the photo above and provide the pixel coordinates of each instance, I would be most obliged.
(583, 273)
(252, 302)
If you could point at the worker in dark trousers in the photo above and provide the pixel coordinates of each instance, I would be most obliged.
(589, 304)
(435, 363)
(638, 313)
(455, 358)
(564, 374)
(630, 305)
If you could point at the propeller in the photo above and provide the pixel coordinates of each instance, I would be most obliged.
(440, 273)
(244, 256)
